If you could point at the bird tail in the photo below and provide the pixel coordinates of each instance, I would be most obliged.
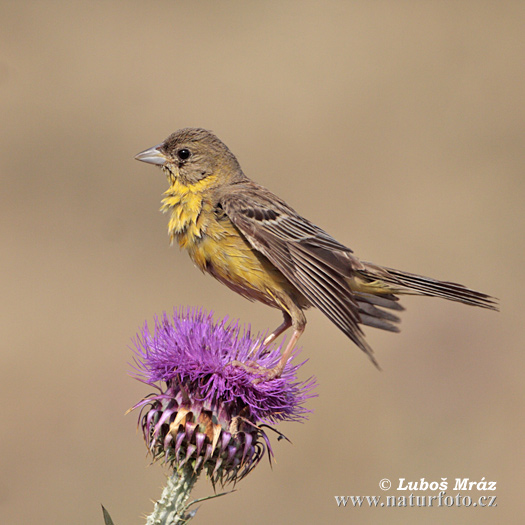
(378, 280)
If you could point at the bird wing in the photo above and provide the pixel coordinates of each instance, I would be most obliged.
(313, 261)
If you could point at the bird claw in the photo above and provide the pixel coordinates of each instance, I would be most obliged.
(267, 374)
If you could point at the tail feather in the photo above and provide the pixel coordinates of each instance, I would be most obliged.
(389, 301)
(370, 312)
(399, 282)
(374, 322)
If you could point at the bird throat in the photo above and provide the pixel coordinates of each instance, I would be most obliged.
(186, 203)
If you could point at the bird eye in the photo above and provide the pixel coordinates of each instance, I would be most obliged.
(183, 154)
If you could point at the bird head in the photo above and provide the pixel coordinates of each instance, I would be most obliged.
(192, 154)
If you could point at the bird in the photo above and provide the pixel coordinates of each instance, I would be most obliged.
(256, 244)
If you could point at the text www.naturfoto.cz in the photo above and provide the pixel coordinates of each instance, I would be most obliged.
(441, 500)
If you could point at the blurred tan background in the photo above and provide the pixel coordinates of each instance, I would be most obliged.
(397, 126)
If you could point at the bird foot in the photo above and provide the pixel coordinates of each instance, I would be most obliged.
(267, 374)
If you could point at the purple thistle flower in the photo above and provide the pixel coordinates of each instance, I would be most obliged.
(207, 412)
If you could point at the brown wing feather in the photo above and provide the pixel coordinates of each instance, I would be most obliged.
(303, 253)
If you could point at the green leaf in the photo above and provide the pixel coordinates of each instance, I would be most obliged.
(107, 517)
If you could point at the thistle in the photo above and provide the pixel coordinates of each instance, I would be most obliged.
(208, 415)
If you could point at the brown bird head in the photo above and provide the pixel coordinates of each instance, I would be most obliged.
(192, 154)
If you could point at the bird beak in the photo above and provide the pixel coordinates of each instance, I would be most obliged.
(152, 156)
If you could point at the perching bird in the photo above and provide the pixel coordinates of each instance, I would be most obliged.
(257, 245)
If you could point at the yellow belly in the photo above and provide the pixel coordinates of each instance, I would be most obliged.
(225, 254)
(217, 247)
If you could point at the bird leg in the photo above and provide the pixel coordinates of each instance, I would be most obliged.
(272, 373)
(280, 329)
(275, 372)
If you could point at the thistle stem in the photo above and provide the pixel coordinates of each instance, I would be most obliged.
(170, 509)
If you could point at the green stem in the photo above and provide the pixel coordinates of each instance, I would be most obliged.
(170, 509)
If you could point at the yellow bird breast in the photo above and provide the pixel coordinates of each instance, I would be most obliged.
(225, 254)
(216, 246)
